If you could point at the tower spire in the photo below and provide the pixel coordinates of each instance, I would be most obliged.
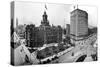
(45, 21)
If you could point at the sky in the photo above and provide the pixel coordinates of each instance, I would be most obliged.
(58, 14)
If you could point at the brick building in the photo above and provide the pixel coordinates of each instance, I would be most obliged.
(50, 33)
(44, 34)
(30, 35)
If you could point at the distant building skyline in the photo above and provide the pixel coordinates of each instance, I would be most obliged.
(58, 14)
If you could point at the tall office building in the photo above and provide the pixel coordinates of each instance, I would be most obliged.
(79, 24)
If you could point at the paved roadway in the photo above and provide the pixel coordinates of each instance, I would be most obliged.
(78, 51)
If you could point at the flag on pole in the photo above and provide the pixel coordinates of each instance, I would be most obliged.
(74, 6)
(45, 7)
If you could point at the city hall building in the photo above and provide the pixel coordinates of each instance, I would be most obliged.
(78, 24)
(44, 34)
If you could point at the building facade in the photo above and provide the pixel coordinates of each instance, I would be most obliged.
(48, 33)
(79, 24)
(44, 34)
(30, 35)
